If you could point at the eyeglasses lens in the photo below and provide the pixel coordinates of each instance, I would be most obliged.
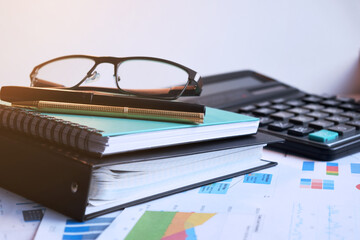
(151, 78)
(66, 72)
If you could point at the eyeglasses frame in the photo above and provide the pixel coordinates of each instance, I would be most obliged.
(192, 87)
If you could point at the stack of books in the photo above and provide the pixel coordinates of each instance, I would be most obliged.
(85, 166)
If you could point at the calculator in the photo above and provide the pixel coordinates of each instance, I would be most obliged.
(322, 127)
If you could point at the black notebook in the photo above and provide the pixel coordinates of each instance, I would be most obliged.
(83, 187)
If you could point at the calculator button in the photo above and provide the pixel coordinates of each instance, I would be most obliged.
(323, 136)
(263, 111)
(300, 131)
(328, 96)
(352, 115)
(350, 106)
(344, 130)
(313, 106)
(298, 110)
(318, 115)
(355, 123)
(280, 126)
(263, 104)
(280, 107)
(331, 103)
(247, 108)
(321, 124)
(312, 99)
(278, 100)
(301, 119)
(332, 110)
(265, 121)
(345, 99)
(295, 103)
(337, 119)
(282, 115)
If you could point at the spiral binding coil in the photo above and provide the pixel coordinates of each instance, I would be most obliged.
(46, 127)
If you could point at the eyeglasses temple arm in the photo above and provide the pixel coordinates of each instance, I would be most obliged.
(43, 83)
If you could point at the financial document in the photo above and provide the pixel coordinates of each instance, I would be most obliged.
(300, 199)
(19, 217)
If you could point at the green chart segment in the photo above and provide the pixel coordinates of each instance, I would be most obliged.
(163, 225)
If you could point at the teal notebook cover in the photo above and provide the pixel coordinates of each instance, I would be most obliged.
(121, 126)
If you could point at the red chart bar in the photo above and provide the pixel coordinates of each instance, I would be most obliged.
(316, 184)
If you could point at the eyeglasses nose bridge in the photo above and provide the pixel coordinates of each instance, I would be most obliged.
(93, 76)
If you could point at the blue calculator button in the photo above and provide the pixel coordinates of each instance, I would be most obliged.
(323, 136)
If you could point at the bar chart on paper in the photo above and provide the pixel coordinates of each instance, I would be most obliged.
(178, 225)
(90, 229)
(58, 226)
(170, 225)
(317, 183)
(332, 169)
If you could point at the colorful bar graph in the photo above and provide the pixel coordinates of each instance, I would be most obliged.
(332, 169)
(308, 166)
(317, 184)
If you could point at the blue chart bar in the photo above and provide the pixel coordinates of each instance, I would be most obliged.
(85, 229)
(355, 168)
(259, 178)
(308, 166)
(80, 237)
(90, 229)
(328, 184)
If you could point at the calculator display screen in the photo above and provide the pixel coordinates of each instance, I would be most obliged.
(227, 85)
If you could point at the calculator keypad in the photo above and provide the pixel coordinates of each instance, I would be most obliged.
(309, 119)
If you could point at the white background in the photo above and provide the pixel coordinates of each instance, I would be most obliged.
(311, 44)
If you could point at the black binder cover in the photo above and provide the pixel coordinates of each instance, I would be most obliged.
(59, 178)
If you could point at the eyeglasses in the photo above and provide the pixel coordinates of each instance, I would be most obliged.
(141, 76)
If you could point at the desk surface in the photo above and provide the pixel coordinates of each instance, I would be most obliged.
(298, 199)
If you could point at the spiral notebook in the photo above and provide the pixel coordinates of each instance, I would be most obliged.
(108, 135)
